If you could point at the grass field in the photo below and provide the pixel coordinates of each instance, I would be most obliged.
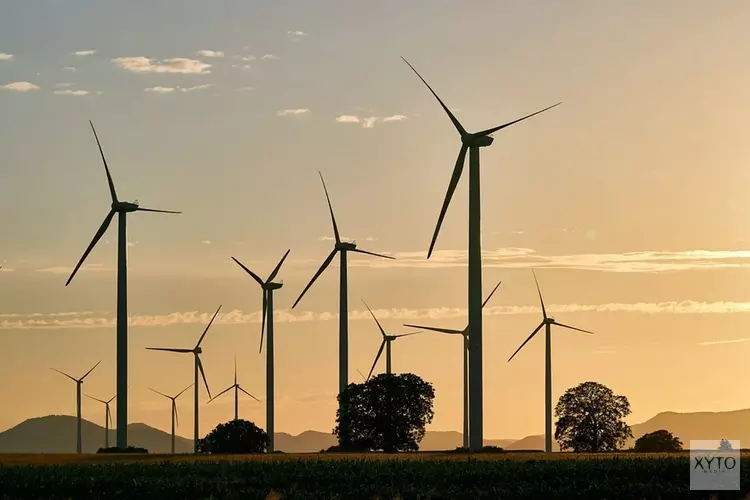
(430, 475)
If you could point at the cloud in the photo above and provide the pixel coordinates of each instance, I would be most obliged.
(84, 52)
(296, 36)
(72, 69)
(167, 90)
(346, 238)
(718, 342)
(20, 86)
(173, 65)
(347, 119)
(246, 58)
(522, 258)
(293, 112)
(370, 121)
(267, 57)
(394, 118)
(197, 87)
(210, 53)
(206, 242)
(241, 66)
(160, 90)
(71, 92)
(238, 317)
(68, 270)
(245, 89)
(5, 57)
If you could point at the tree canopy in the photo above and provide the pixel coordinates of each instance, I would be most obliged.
(388, 413)
(590, 419)
(658, 441)
(235, 436)
(725, 445)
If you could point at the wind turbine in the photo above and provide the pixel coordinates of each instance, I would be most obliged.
(236, 388)
(344, 247)
(107, 416)
(547, 323)
(387, 339)
(465, 334)
(79, 383)
(196, 352)
(471, 142)
(121, 208)
(268, 287)
(175, 418)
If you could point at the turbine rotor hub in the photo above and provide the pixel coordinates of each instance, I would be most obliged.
(198, 350)
(124, 206)
(346, 245)
(477, 141)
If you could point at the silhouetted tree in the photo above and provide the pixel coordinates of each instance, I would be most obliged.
(590, 419)
(725, 445)
(658, 441)
(235, 436)
(388, 412)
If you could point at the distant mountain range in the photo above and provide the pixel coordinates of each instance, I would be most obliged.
(57, 434)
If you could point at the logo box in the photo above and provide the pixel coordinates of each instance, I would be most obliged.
(715, 464)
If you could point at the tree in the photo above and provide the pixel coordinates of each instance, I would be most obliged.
(725, 445)
(235, 436)
(590, 419)
(388, 412)
(658, 441)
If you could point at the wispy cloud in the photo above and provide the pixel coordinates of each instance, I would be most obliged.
(84, 52)
(210, 53)
(160, 90)
(71, 69)
(346, 238)
(719, 342)
(242, 66)
(5, 57)
(206, 242)
(394, 118)
(20, 86)
(296, 35)
(167, 90)
(173, 65)
(77, 93)
(248, 58)
(293, 112)
(267, 57)
(68, 270)
(238, 317)
(347, 119)
(197, 87)
(369, 121)
(244, 89)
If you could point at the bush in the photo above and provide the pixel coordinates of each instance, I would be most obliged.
(235, 436)
(657, 441)
(129, 449)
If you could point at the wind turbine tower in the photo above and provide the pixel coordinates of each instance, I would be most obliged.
(79, 383)
(175, 418)
(236, 388)
(107, 416)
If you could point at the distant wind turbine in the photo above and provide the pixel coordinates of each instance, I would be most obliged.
(465, 334)
(268, 288)
(387, 339)
(343, 247)
(79, 383)
(121, 208)
(107, 417)
(236, 388)
(196, 352)
(175, 418)
(471, 142)
(547, 323)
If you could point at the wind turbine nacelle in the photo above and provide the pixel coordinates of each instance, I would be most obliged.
(198, 350)
(273, 286)
(346, 245)
(475, 141)
(124, 206)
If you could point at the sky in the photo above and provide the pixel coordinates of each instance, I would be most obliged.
(628, 199)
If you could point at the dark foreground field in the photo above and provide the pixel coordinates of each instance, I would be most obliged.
(384, 477)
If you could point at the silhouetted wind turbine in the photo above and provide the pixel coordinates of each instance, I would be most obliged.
(387, 339)
(343, 247)
(268, 287)
(196, 352)
(471, 142)
(79, 383)
(107, 417)
(465, 350)
(175, 418)
(547, 323)
(236, 388)
(121, 208)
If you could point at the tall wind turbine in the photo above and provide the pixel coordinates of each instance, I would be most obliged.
(268, 287)
(236, 388)
(175, 418)
(344, 247)
(465, 350)
(387, 339)
(79, 383)
(107, 416)
(471, 142)
(196, 352)
(121, 208)
(547, 323)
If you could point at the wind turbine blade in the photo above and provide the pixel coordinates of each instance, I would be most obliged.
(91, 370)
(63, 373)
(176, 415)
(185, 389)
(243, 390)
(358, 250)
(491, 294)
(435, 329)
(112, 191)
(373, 317)
(380, 351)
(99, 233)
(207, 327)
(323, 267)
(330, 208)
(235, 369)
(95, 399)
(203, 374)
(278, 266)
(109, 416)
(248, 271)
(495, 129)
(166, 349)
(406, 334)
(160, 393)
(112, 398)
(361, 374)
(527, 340)
(455, 121)
(222, 392)
(572, 328)
(263, 321)
(457, 170)
(139, 209)
(544, 311)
